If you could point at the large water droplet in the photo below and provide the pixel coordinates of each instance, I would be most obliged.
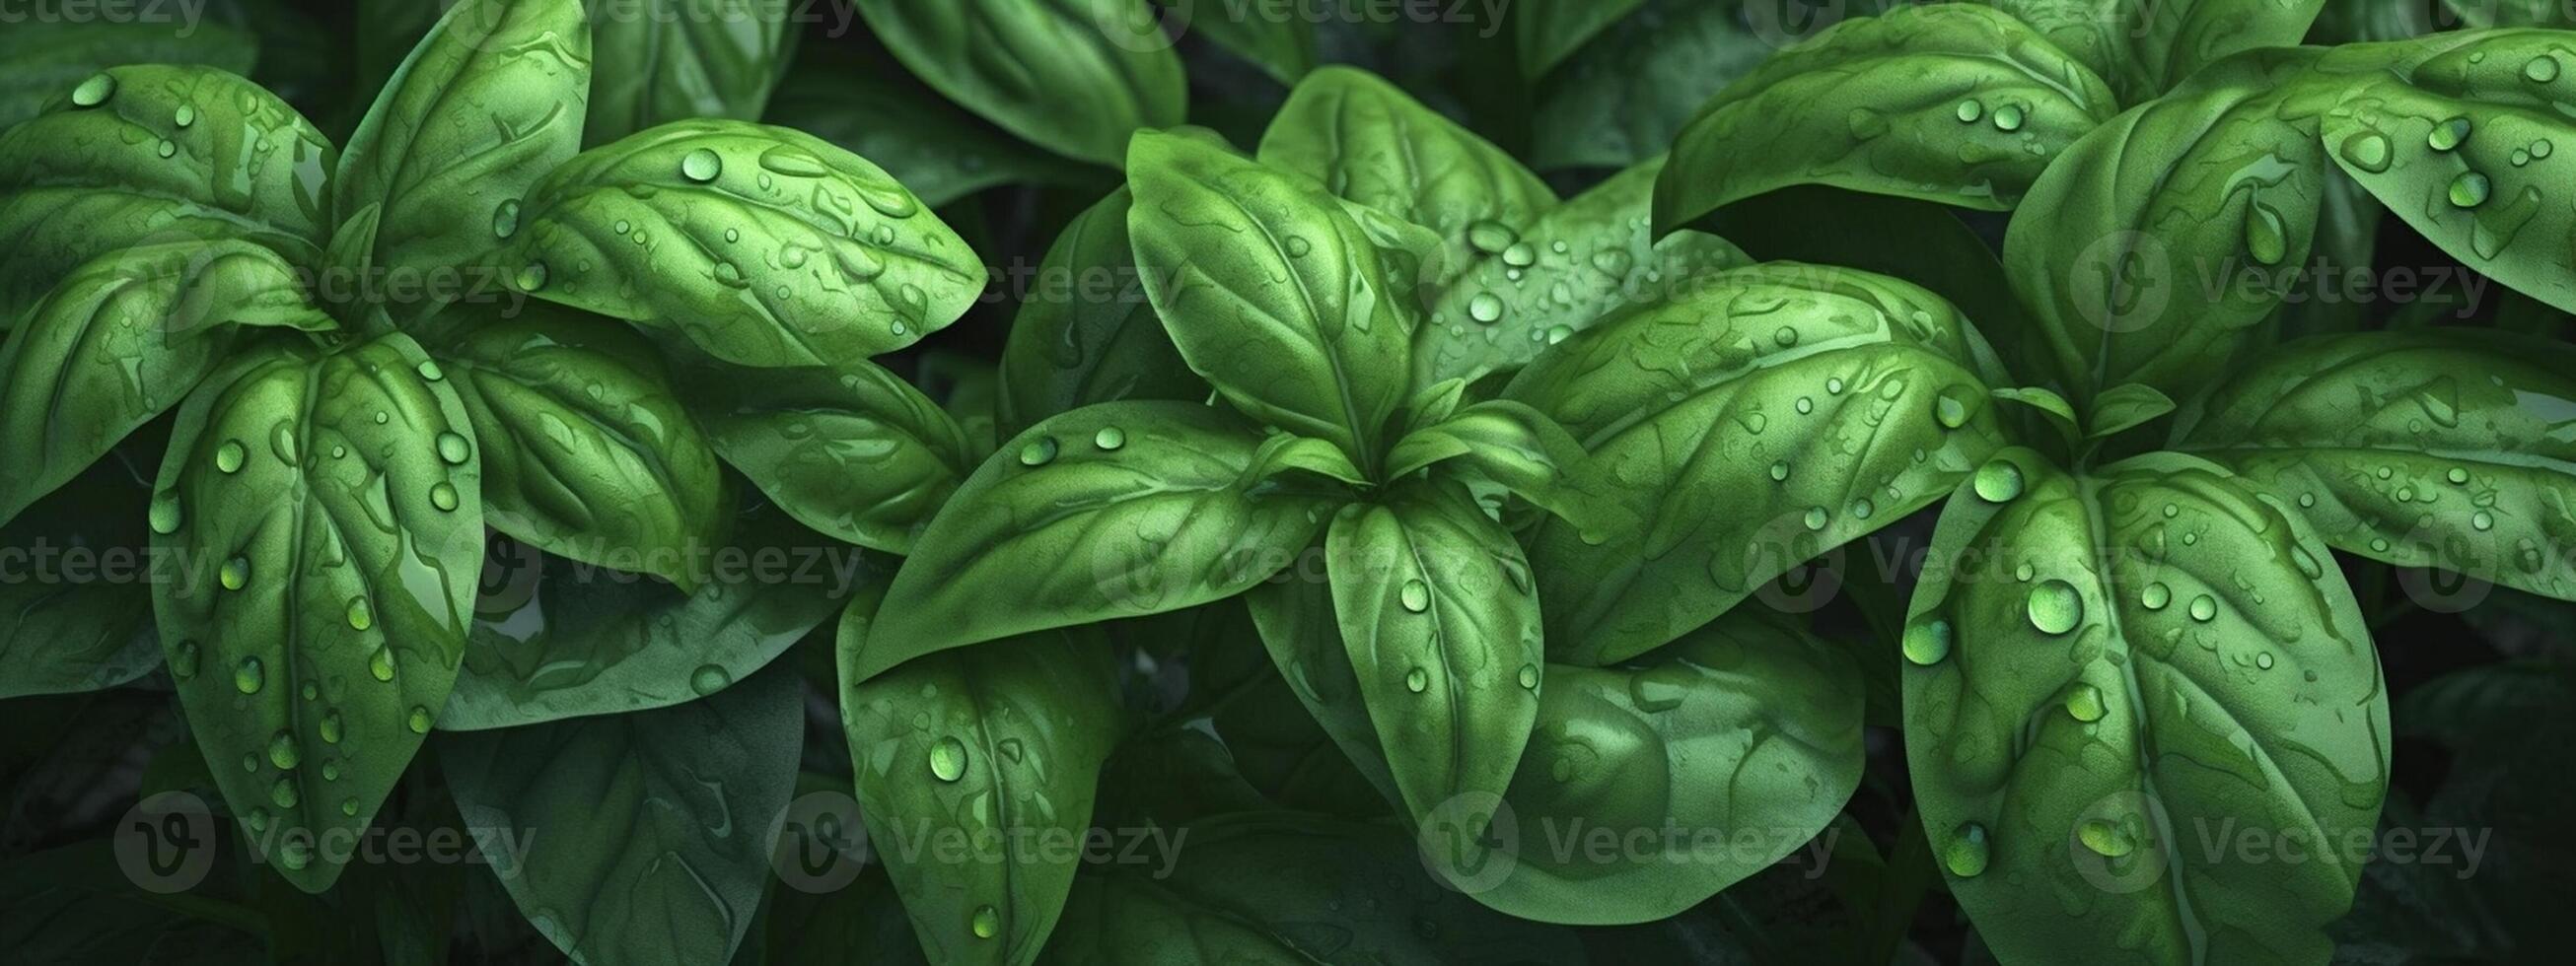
(454, 449)
(1927, 643)
(1970, 110)
(701, 165)
(1039, 452)
(1416, 596)
(94, 91)
(1999, 481)
(2470, 189)
(2367, 150)
(1109, 438)
(1485, 307)
(709, 679)
(2448, 135)
(249, 676)
(229, 456)
(442, 495)
(282, 751)
(530, 277)
(2055, 607)
(1490, 236)
(234, 574)
(948, 759)
(2541, 69)
(987, 923)
(1966, 852)
(2084, 703)
(2204, 608)
(2156, 596)
(2008, 117)
(419, 720)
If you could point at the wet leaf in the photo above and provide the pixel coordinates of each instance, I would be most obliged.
(1074, 76)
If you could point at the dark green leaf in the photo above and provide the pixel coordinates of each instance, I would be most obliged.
(1116, 510)
(1371, 143)
(1284, 47)
(639, 837)
(1512, 446)
(88, 177)
(2155, 246)
(975, 773)
(46, 58)
(1768, 416)
(123, 338)
(1549, 31)
(2432, 448)
(938, 151)
(1622, 98)
(1086, 332)
(1653, 757)
(325, 534)
(1950, 102)
(75, 614)
(851, 451)
(2117, 680)
(486, 104)
(1272, 290)
(672, 60)
(585, 453)
(1574, 265)
(762, 246)
(1074, 76)
(2146, 49)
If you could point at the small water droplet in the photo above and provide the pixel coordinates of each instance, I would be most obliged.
(419, 720)
(380, 664)
(1490, 236)
(2263, 660)
(1966, 853)
(1485, 307)
(1953, 406)
(1970, 110)
(454, 449)
(1417, 680)
(94, 91)
(2084, 703)
(164, 516)
(1927, 643)
(2448, 135)
(2367, 150)
(505, 219)
(1109, 438)
(1780, 472)
(330, 727)
(229, 456)
(2470, 189)
(2541, 69)
(2008, 117)
(282, 751)
(167, 148)
(1298, 246)
(234, 574)
(249, 675)
(1529, 676)
(1416, 596)
(1039, 452)
(987, 923)
(183, 660)
(185, 115)
(531, 277)
(442, 495)
(1999, 481)
(701, 165)
(709, 679)
(361, 614)
(2156, 596)
(948, 759)
(1817, 517)
(2204, 608)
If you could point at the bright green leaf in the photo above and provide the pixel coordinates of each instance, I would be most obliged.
(2125, 406)
(672, 60)
(851, 451)
(2146, 49)
(1086, 331)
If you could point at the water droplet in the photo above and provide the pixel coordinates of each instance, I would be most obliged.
(1817, 517)
(1039, 452)
(505, 219)
(2055, 607)
(709, 679)
(948, 759)
(234, 574)
(361, 615)
(282, 793)
(454, 449)
(1970, 110)
(2008, 117)
(1966, 853)
(2156, 596)
(2541, 69)
(2367, 150)
(531, 277)
(1491, 237)
(2263, 660)
(282, 751)
(987, 923)
(1862, 508)
(183, 660)
(1953, 406)
(2448, 135)
(1416, 596)
(2470, 189)
(1927, 643)
(349, 807)
(167, 148)
(380, 664)
(419, 720)
(1486, 307)
(94, 91)
(2084, 703)
(164, 516)
(1780, 472)
(2105, 839)
(1784, 337)
(330, 728)
(229, 456)
(701, 165)
(1529, 676)
(1520, 255)
(2266, 239)
(1417, 680)
(2457, 475)
(442, 495)
(295, 853)
(2482, 520)
(185, 115)
(249, 675)
(1999, 481)
(2204, 608)
(1109, 437)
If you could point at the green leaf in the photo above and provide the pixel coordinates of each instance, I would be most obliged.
(2124, 407)
(2458, 140)
(672, 60)
(1812, 404)
(585, 453)
(975, 771)
(2155, 246)
(485, 105)
(1326, 891)
(1549, 31)
(1271, 290)
(325, 546)
(555, 638)
(2055, 412)
(1950, 103)
(1655, 753)
(2146, 49)
(2183, 671)
(1074, 76)
(2431, 448)
(1576, 264)
(1301, 629)
(640, 837)
(2508, 13)
(1622, 98)
(88, 178)
(47, 57)
(1116, 510)
(1512, 446)
(1371, 143)
(937, 150)
(762, 246)
(1283, 47)
(1086, 331)
(74, 612)
(852, 451)
(123, 338)
(1905, 238)
(1442, 631)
